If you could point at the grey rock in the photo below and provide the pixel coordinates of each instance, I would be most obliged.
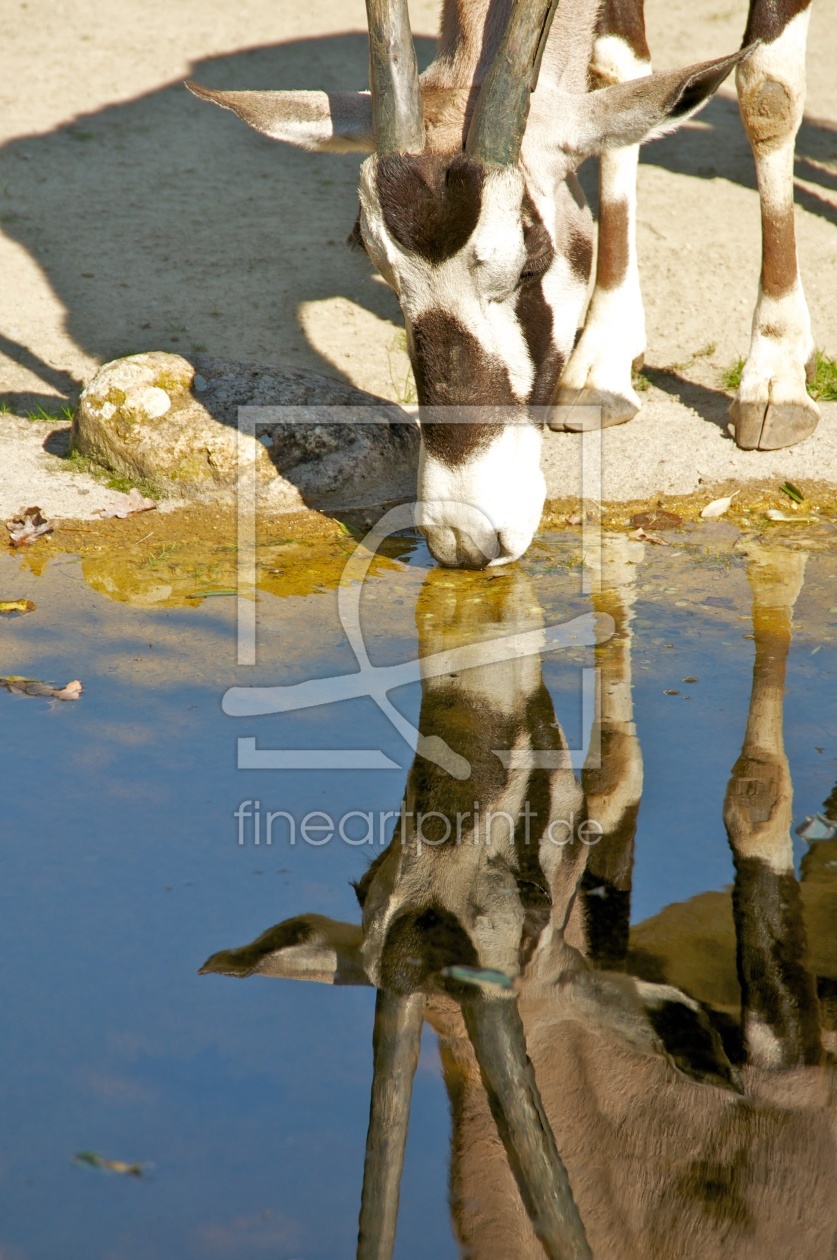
(313, 441)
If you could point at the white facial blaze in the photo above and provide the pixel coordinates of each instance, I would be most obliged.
(494, 498)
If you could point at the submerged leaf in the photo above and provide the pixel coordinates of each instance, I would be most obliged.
(641, 536)
(658, 519)
(16, 606)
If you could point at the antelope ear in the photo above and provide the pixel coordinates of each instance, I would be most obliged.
(309, 947)
(641, 109)
(322, 122)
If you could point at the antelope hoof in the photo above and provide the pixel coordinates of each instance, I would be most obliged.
(760, 427)
(583, 410)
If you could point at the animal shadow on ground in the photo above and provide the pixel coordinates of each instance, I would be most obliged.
(162, 224)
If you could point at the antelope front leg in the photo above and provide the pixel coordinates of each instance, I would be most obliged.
(772, 408)
(598, 372)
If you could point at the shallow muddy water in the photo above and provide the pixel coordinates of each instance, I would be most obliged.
(621, 894)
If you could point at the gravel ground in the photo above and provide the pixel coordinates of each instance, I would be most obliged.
(133, 217)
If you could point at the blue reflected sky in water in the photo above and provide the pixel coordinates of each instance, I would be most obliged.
(121, 873)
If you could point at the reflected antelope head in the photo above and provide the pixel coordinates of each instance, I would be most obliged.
(515, 949)
(471, 211)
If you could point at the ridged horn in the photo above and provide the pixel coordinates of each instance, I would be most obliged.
(393, 79)
(496, 1033)
(396, 1042)
(496, 131)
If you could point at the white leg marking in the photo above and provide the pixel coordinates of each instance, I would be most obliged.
(772, 408)
(599, 370)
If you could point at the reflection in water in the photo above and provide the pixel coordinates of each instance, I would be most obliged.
(593, 1111)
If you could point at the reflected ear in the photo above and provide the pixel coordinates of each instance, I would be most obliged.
(309, 947)
(322, 122)
(641, 109)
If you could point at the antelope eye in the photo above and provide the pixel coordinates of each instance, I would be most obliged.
(534, 267)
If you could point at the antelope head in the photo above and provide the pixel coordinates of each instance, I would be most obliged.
(472, 213)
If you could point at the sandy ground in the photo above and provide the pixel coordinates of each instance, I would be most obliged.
(134, 217)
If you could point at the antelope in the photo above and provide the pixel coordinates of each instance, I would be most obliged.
(471, 211)
(593, 1112)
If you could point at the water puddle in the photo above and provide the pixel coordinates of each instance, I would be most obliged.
(594, 947)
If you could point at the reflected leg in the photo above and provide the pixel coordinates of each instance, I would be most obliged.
(779, 1008)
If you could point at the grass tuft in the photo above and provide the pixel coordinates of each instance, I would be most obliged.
(731, 376)
(822, 388)
(404, 390)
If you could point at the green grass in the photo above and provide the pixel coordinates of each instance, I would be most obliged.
(404, 390)
(40, 414)
(823, 387)
(147, 488)
(76, 462)
(731, 376)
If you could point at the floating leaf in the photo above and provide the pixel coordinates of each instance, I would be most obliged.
(33, 687)
(791, 491)
(718, 507)
(641, 536)
(16, 606)
(31, 524)
(132, 502)
(774, 514)
(93, 1160)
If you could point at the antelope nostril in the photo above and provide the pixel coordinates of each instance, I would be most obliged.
(457, 549)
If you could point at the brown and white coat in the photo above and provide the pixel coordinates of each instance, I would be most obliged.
(471, 210)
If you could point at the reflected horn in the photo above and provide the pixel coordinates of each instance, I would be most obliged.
(397, 116)
(496, 1032)
(496, 131)
(396, 1042)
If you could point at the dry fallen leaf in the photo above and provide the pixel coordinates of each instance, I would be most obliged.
(641, 536)
(32, 687)
(16, 606)
(718, 507)
(31, 524)
(132, 503)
